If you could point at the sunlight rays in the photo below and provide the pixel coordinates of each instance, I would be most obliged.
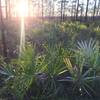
(22, 36)
(22, 10)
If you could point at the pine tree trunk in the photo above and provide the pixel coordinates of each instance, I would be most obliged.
(86, 10)
(77, 9)
(3, 33)
(6, 8)
(42, 11)
(94, 10)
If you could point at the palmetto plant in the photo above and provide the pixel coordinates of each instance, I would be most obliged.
(82, 66)
(82, 75)
(54, 59)
(30, 65)
(79, 79)
(23, 71)
(90, 51)
(87, 47)
(53, 63)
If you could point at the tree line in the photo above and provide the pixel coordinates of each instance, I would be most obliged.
(56, 8)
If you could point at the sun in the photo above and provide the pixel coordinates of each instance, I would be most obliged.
(22, 8)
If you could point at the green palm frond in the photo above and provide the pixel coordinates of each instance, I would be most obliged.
(88, 48)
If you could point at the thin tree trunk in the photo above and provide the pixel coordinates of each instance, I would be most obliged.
(28, 8)
(6, 8)
(38, 8)
(42, 10)
(3, 33)
(94, 10)
(62, 10)
(50, 5)
(87, 9)
(77, 9)
(9, 7)
(82, 10)
(98, 8)
(53, 10)
(73, 9)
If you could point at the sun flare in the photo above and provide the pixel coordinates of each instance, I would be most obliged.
(22, 8)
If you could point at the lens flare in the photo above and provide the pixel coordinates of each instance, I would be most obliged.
(22, 8)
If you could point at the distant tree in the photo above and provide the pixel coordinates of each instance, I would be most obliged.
(87, 7)
(53, 12)
(73, 8)
(49, 8)
(29, 7)
(77, 9)
(9, 8)
(42, 8)
(94, 9)
(2, 32)
(82, 9)
(63, 8)
(6, 8)
(98, 9)
(53, 7)
(38, 7)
